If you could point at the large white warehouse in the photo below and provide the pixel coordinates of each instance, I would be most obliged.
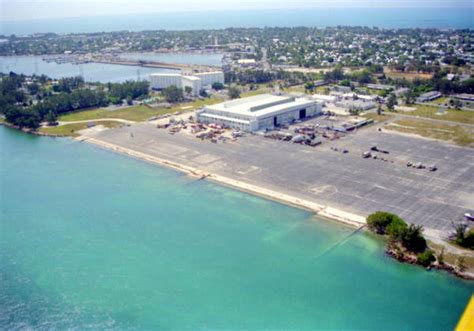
(259, 112)
(193, 82)
(209, 78)
(160, 81)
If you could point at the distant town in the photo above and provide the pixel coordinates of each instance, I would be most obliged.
(401, 49)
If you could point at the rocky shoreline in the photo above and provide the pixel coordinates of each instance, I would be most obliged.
(31, 131)
(411, 258)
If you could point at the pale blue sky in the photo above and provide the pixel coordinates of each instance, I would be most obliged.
(12, 10)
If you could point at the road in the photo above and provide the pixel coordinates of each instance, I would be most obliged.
(60, 123)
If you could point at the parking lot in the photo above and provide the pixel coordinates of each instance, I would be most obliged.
(321, 174)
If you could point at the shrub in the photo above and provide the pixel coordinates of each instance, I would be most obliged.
(412, 238)
(461, 263)
(217, 86)
(173, 94)
(426, 258)
(460, 233)
(345, 82)
(379, 221)
(468, 241)
(462, 236)
(234, 92)
(203, 93)
(396, 228)
(440, 257)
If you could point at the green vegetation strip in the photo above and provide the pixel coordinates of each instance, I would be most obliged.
(378, 118)
(460, 116)
(71, 129)
(255, 92)
(406, 243)
(455, 133)
(135, 113)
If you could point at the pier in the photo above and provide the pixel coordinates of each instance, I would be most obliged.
(158, 65)
(116, 60)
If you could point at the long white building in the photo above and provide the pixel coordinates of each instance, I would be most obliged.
(193, 82)
(161, 81)
(259, 112)
(209, 78)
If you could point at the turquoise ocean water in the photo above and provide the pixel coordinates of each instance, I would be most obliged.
(90, 239)
(459, 18)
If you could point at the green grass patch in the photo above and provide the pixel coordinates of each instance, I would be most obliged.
(197, 104)
(71, 129)
(451, 258)
(407, 75)
(255, 92)
(378, 118)
(454, 133)
(134, 113)
(441, 100)
(459, 116)
(296, 89)
(322, 90)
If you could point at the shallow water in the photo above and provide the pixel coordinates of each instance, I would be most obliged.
(92, 72)
(92, 239)
(99, 72)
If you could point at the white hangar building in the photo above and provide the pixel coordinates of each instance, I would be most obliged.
(259, 112)
(209, 78)
(161, 81)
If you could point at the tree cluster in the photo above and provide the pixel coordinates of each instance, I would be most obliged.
(68, 84)
(409, 237)
(129, 89)
(252, 76)
(69, 94)
(463, 237)
(234, 92)
(173, 94)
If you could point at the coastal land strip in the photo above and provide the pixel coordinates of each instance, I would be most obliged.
(337, 187)
(202, 163)
(341, 186)
(319, 209)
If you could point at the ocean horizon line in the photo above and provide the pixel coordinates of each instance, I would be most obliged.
(387, 18)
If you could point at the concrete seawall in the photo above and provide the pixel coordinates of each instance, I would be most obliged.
(319, 209)
(159, 65)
